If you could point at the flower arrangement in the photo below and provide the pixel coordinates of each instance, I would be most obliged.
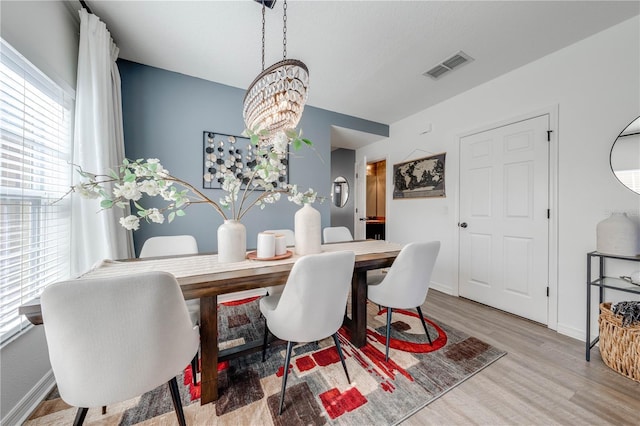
(133, 179)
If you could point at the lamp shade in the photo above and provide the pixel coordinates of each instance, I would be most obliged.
(275, 100)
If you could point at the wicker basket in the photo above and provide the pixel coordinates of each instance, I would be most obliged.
(619, 346)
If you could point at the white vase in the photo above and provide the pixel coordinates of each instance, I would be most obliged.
(232, 242)
(618, 235)
(307, 231)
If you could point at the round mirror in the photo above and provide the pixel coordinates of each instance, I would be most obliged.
(625, 156)
(340, 192)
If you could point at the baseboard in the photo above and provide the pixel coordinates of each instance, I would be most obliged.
(573, 332)
(18, 414)
(442, 288)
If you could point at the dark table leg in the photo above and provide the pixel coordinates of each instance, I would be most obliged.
(359, 308)
(588, 339)
(209, 349)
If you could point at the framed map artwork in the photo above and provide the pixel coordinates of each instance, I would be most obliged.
(419, 178)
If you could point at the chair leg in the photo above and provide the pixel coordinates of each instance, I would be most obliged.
(264, 342)
(424, 324)
(194, 368)
(339, 348)
(177, 403)
(104, 410)
(80, 415)
(287, 359)
(389, 311)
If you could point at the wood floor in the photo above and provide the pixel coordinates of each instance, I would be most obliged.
(543, 380)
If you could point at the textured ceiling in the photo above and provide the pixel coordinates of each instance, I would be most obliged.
(365, 58)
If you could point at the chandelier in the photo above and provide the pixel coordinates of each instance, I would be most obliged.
(276, 98)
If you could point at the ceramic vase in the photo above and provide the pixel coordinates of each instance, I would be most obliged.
(307, 231)
(618, 235)
(232, 242)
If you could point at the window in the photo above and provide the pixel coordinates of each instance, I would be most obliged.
(35, 150)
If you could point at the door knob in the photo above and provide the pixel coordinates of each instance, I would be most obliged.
(462, 225)
(362, 219)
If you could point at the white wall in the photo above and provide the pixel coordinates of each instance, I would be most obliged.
(46, 33)
(595, 86)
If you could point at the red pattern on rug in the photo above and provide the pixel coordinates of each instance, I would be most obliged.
(407, 346)
(326, 356)
(336, 403)
(305, 363)
(241, 301)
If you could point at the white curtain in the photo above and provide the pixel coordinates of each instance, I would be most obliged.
(98, 146)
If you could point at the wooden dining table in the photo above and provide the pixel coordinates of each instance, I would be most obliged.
(203, 277)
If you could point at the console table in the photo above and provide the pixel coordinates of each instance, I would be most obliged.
(603, 282)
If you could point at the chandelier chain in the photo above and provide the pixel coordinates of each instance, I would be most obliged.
(284, 32)
(263, 24)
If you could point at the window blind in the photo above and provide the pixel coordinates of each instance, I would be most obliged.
(35, 151)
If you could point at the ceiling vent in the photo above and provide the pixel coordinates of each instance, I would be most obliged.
(449, 64)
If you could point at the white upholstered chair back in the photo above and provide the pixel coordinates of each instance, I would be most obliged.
(112, 339)
(170, 245)
(313, 301)
(406, 283)
(336, 234)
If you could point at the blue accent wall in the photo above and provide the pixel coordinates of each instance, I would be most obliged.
(164, 115)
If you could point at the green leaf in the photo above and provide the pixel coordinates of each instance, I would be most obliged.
(172, 216)
(138, 206)
(255, 139)
(180, 213)
(106, 204)
(297, 143)
(307, 141)
(129, 177)
(125, 161)
(142, 213)
(291, 133)
(113, 174)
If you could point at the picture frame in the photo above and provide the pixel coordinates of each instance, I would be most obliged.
(223, 152)
(420, 178)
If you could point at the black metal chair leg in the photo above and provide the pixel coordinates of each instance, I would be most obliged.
(80, 415)
(389, 311)
(264, 342)
(424, 324)
(177, 403)
(339, 348)
(194, 368)
(287, 359)
(104, 410)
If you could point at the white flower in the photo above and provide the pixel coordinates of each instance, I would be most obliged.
(128, 190)
(155, 215)
(86, 190)
(280, 142)
(150, 187)
(130, 222)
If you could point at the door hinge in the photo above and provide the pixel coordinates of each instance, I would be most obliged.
(549, 135)
(548, 213)
(547, 291)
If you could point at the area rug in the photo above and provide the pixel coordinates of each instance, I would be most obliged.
(381, 392)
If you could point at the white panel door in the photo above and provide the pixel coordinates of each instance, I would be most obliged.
(359, 223)
(504, 227)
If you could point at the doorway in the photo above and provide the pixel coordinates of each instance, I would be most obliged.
(504, 217)
(376, 198)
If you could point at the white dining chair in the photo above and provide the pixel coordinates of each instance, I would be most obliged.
(112, 339)
(290, 236)
(406, 283)
(336, 234)
(176, 245)
(311, 306)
